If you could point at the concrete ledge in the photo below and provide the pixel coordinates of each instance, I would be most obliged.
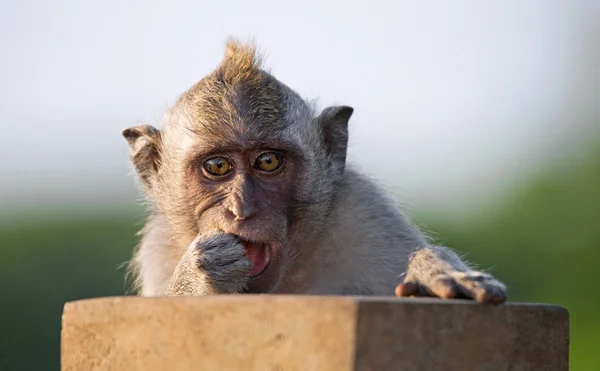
(286, 333)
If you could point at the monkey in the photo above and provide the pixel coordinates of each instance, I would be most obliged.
(248, 192)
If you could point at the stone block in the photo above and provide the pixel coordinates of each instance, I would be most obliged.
(287, 333)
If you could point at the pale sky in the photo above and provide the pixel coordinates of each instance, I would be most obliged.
(452, 99)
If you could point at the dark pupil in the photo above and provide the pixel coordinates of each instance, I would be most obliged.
(267, 159)
(216, 165)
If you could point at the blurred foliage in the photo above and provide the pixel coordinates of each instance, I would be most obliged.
(543, 240)
(43, 264)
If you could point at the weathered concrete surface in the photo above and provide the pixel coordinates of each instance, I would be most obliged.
(261, 332)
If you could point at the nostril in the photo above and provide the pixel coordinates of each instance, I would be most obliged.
(244, 216)
(241, 214)
(239, 217)
(242, 208)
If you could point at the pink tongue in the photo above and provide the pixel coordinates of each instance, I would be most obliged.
(257, 254)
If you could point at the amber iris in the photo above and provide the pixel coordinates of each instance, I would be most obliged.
(269, 161)
(217, 166)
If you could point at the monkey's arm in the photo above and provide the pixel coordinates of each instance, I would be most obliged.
(211, 265)
(437, 271)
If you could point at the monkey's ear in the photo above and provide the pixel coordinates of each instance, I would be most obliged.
(334, 124)
(144, 148)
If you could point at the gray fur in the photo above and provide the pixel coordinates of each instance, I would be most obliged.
(339, 233)
(211, 265)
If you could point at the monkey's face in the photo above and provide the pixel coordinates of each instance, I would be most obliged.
(246, 188)
(270, 188)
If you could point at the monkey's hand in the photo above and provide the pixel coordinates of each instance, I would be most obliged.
(436, 271)
(211, 265)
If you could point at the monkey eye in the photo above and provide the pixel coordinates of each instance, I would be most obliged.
(268, 162)
(217, 166)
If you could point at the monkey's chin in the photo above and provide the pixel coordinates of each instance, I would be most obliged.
(263, 257)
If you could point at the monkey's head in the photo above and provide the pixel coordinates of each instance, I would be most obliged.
(242, 153)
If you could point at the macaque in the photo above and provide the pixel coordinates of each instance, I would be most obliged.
(249, 191)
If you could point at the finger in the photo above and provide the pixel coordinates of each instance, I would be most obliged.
(412, 289)
(444, 288)
(482, 292)
(407, 289)
(490, 295)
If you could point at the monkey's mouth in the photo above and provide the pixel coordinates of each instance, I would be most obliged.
(264, 271)
(259, 255)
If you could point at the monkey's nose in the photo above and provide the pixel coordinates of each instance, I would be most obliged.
(242, 212)
(241, 206)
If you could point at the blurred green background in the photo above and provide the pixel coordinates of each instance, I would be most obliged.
(541, 236)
